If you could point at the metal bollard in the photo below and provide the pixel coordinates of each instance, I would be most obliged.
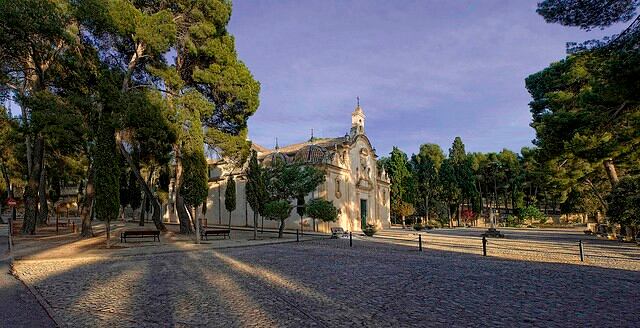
(420, 242)
(297, 237)
(484, 246)
(350, 239)
(581, 251)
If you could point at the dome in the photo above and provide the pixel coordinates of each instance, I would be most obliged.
(313, 154)
(275, 157)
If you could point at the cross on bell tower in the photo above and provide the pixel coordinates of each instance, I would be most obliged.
(357, 119)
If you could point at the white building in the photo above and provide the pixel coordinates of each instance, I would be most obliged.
(353, 182)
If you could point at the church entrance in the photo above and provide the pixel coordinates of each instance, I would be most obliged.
(363, 213)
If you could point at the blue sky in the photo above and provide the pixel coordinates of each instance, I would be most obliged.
(425, 71)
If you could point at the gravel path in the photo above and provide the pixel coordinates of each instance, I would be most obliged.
(326, 283)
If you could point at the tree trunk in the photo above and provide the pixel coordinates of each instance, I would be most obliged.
(194, 217)
(108, 223)
(183, 218)
(449, 216)
(229, 219)
(141, 223)
(31, 190)
(281, 228)
(143, 208)
(426, 205)
(255, 225)
(611, 172)
(43, 209)
(506, 201)
(301, 225)
(403, 225)
(87, 208)
(157, 220)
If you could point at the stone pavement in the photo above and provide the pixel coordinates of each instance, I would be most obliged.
(326, 283)
(18, 308)
(540, 245)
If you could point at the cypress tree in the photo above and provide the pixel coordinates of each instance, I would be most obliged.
(106, 175)
(230, 197)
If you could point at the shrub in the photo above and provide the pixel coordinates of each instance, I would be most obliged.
(531, 213)
(322, 210)
(624, 202)
(418, 226)
(370, 230)
(512, 221)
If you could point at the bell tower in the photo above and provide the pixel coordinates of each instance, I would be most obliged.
(357, 120)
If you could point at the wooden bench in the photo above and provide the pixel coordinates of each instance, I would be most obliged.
(337, 232)
(215, 232)
(155, 234)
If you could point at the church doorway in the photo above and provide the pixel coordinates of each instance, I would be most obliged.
(363, 213)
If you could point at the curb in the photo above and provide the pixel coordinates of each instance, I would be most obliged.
(41, 300)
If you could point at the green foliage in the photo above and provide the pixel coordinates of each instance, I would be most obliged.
(425, 169)
(404, 209)
(531, 213)
(370, 230)
(397, 168)
(321, 209)
(277, 210)
(256, 191)
(107, 173)
(513, 221)
(285, 181)
(587, 14)
(194, 188)
(230, 195)
(624, 202)
(300, 207)
(451, 191)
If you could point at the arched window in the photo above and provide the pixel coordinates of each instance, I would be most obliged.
(337, 187)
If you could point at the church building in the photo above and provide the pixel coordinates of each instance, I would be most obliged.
(353, 182)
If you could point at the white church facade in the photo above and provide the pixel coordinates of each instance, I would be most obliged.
(353, 183)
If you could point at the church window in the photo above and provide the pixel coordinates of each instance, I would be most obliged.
(337, 187)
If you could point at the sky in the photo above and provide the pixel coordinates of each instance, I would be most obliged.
(425, 71)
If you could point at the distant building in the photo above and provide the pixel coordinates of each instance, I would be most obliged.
(353, 182)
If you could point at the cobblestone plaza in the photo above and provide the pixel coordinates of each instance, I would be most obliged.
(326, 283)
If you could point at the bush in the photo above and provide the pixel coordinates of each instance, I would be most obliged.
(531, 213)
(435, 224)
(624, 202)
(512, 221)
(322, 210)
(418, 226)
(543, 220)
(370, 230)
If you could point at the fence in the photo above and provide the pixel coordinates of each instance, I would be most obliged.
(565, 249)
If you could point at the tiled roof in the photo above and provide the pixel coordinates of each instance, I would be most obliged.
(259, 148)
(327, 143)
